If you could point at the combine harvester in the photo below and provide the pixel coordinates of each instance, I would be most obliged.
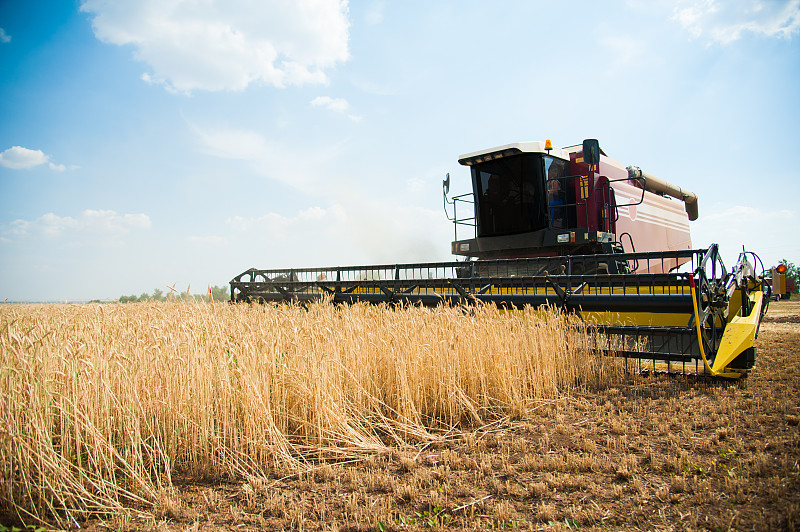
(571, 229)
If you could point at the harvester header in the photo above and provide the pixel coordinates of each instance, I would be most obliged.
(573, 229)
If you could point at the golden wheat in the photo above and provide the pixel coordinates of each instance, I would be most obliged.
(102, 404)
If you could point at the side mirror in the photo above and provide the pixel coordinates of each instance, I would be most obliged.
(446, 184)
(591, 152)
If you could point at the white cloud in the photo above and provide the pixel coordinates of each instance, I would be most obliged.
(416, 185)
(337, 105)
(374, 13)
(350, 232)
(4, 37)
(725, 22)
(89, 223)
(277, 226)
(299, 166)
(270, 159)
(19, 158)
(211, 240)
(624, 53)
(753, 216)
(233, 143)
(227, 45)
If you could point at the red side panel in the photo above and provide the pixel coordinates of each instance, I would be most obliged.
(653, 222)
(593, 194)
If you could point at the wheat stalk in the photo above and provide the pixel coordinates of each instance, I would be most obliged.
(103, 403)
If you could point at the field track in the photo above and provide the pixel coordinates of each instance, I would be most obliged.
(610, 451)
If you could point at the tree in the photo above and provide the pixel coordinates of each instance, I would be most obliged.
(220, 293)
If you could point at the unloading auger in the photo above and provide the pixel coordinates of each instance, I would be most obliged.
(549, 228)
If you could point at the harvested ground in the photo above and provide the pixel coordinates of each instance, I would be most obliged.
(783, 319)
(655, 452)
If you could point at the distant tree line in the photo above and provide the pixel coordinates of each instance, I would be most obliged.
(216, 293)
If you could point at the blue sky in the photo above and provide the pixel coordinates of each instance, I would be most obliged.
(157, 142)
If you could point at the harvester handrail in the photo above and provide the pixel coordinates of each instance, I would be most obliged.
(641, 255)
(469, 221)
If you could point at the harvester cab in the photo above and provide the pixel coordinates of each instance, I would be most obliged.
(573, 229)
(532, 200)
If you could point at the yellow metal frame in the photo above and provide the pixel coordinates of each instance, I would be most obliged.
(739, 334)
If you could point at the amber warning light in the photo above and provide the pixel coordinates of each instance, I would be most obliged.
(781, 268)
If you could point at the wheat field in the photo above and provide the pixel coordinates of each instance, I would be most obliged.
(103, 404)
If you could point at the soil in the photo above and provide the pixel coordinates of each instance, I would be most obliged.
(654, 452)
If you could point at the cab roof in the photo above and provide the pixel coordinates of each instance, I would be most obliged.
(536, 146)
